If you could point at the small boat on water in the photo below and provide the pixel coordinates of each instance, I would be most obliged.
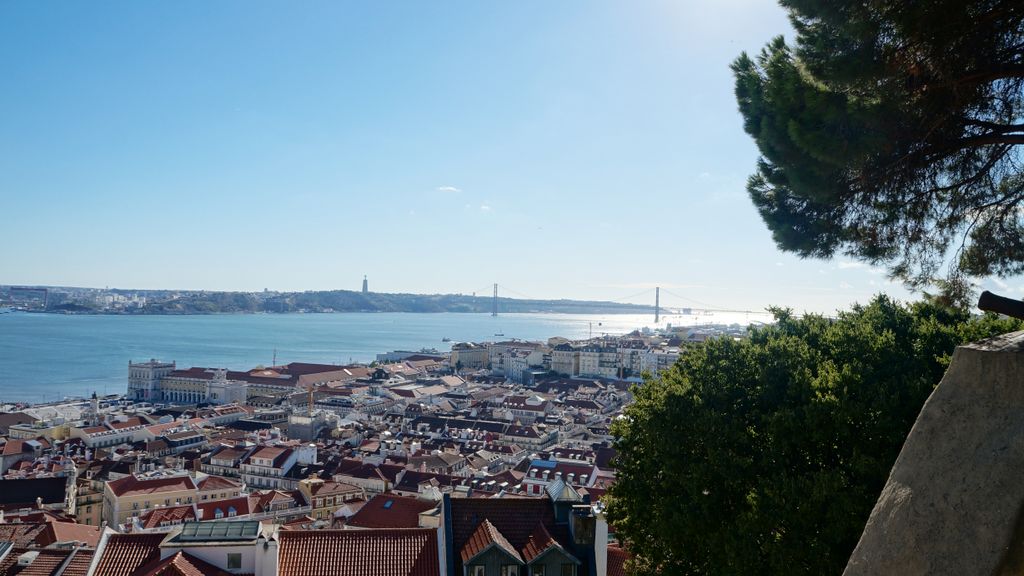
(446, 339)
(499, 333)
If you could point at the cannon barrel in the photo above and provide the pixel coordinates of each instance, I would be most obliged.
(990, 302)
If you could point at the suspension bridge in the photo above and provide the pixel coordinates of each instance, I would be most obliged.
(662, 301)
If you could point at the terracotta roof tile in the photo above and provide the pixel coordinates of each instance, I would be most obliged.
(68, 532)
(218, 483)
(391, 511)
(538, 543)
(172, 514)
(133, 485)
(45, 564)
(125, 553)
(79, 563)
(22, 535)
(515, 517)
(408, 552)
(485, 536)
(180, 564)
(617, 557)
(241, 504)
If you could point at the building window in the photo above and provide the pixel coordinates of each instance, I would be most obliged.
(234, 561)
(218, 513)
(477, 571)
(568, 570)
(510, 570)
(537, 570)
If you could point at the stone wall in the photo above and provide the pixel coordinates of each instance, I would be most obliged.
(954, 500)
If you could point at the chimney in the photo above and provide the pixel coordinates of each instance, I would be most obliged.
(27, 558)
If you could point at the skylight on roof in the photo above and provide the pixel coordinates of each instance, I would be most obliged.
(387, 505)
(217, 531)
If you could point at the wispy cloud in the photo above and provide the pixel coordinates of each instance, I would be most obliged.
(856, 265)
(647, 286)
(485, 208)
(448, 189)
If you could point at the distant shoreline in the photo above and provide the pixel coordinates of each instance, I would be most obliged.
(290, 313)
(116, 302)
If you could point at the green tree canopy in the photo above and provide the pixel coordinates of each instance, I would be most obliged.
(890, 132)
(765, 455)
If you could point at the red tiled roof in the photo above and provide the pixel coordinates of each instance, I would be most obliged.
(173, 514)
(134, 421)
(229, 453)
(22, 535)
(158, 429)
(45, 564)
(515, 517)
(408, 552)
(180, 564)
(331, 488)
(130, 485)
(276, 454)
(218, 483)
(125, 553)
(485, 536)
(68, 532)
(271, 499)
(13, 447)
(390, 511)
(241, 504)
(538, 543)
(79, 563)
(617, 557)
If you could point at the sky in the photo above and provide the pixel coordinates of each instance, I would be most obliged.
(574, 149)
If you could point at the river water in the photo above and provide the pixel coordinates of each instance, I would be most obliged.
(45, 357)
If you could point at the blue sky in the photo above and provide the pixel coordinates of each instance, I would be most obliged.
(576, 149)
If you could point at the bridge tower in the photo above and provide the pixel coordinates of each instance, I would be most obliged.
(494, 302)
(657, 303)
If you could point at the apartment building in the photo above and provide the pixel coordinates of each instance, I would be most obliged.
(134, 494)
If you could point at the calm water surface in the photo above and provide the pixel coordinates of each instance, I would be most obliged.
(45, 357)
